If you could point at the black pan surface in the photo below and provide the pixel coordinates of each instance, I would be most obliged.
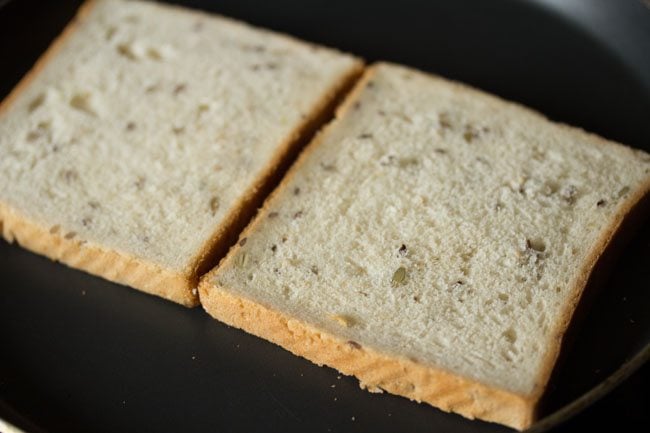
(80, 354)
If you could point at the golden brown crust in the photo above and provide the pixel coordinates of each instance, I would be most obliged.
(408, 378)
(143, 275)
(376, 371)
(577, 290)
(112, 265)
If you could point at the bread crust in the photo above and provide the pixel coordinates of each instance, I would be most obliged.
(123, 268)
(110, 264)
(376, 370)
(600, 247)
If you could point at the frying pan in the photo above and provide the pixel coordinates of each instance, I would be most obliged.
(81, 354)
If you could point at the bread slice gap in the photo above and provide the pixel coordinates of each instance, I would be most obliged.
(433, 241)
(145, 137)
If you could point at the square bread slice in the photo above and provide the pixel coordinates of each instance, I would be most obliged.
(143, 140)
(433, 241)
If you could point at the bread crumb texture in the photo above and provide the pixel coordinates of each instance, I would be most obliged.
(150, 125)
(447, 230)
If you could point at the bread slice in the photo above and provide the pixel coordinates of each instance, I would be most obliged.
(433, 241)
(140, 141)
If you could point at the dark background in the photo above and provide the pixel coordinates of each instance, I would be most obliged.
(78, 353)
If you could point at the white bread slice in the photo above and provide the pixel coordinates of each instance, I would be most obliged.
(433, 241)
(140, 141)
